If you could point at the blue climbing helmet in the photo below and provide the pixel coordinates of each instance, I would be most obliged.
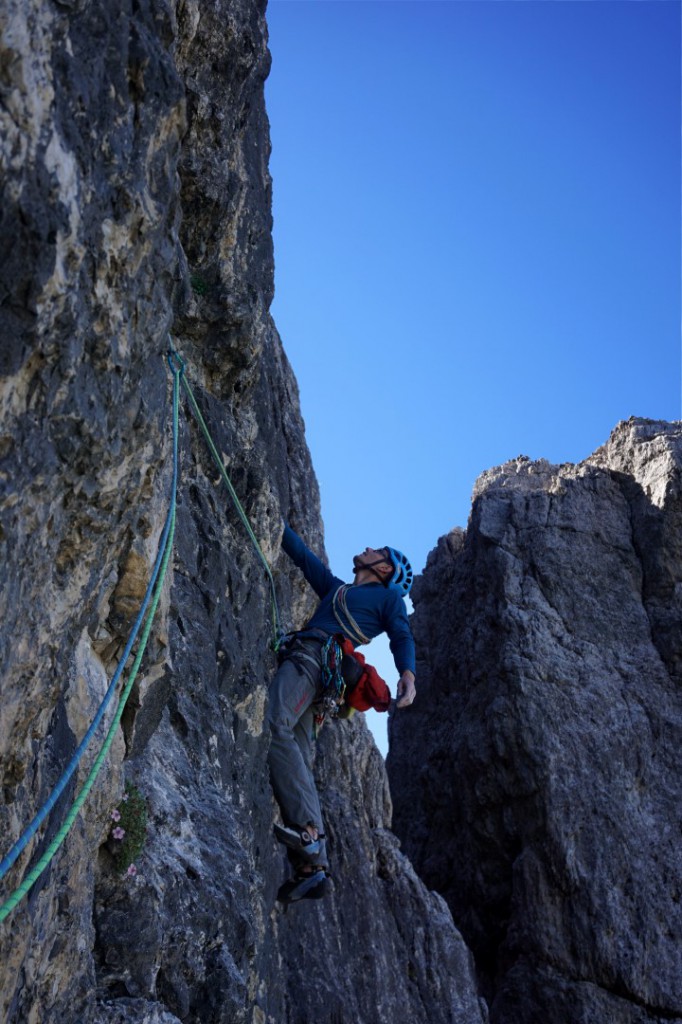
(401, 580)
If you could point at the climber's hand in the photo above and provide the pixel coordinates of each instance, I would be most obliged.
(406, 689)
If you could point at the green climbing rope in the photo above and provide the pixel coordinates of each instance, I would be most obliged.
(178, 369)
(276, 622)
(37, 871)
(31, 878)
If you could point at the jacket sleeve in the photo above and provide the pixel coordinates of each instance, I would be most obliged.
(400, 636)
(320, 578)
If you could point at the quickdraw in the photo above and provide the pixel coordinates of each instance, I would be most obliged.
(333, 685)
(332, 682)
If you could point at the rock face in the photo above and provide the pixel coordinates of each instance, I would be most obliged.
(536, 781)
(537, 785)
(134, 150)
(394, 941)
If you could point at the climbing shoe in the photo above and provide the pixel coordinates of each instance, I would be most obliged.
(299, 839)
(312, 886)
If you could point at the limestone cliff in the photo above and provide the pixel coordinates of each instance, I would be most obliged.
(136, 201)
(536, 778)
(537, 784)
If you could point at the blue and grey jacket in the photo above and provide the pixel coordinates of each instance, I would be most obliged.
(375, 608)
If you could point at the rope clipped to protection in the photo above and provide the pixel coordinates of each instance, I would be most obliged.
(148, 609)
(278, 632)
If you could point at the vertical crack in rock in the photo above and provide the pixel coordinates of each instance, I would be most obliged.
(537, 786)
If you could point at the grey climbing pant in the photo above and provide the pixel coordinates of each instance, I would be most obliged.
(291, 719)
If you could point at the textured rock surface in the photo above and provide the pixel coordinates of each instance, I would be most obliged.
(137, 200)
(537, 785)
(393, 940)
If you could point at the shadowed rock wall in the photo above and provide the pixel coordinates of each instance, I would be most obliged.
(537, 785)
(134, 148)
(392, 940)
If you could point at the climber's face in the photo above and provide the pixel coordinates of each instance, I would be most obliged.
(377, 558)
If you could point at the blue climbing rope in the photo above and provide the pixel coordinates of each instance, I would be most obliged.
(21, 843)
(152, 595)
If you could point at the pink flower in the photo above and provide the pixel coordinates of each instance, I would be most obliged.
(118, 833)
(125, 797)
(116, 815)
(132, 870)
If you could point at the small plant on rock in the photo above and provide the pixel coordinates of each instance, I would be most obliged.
(198, 284)
(129, 830)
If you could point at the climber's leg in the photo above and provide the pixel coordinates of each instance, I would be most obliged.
(290, 718)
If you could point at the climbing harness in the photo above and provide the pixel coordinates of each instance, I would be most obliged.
(276, 623)
(319, 652)
(155, 585)
(344, 617)
(146, 614)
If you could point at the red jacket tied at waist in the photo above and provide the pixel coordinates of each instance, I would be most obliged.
(370, 691)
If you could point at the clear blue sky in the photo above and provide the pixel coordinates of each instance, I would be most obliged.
(477, 243)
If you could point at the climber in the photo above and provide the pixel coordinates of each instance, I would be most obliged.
(301, 692)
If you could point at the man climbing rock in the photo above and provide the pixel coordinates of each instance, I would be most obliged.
(311, 682)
